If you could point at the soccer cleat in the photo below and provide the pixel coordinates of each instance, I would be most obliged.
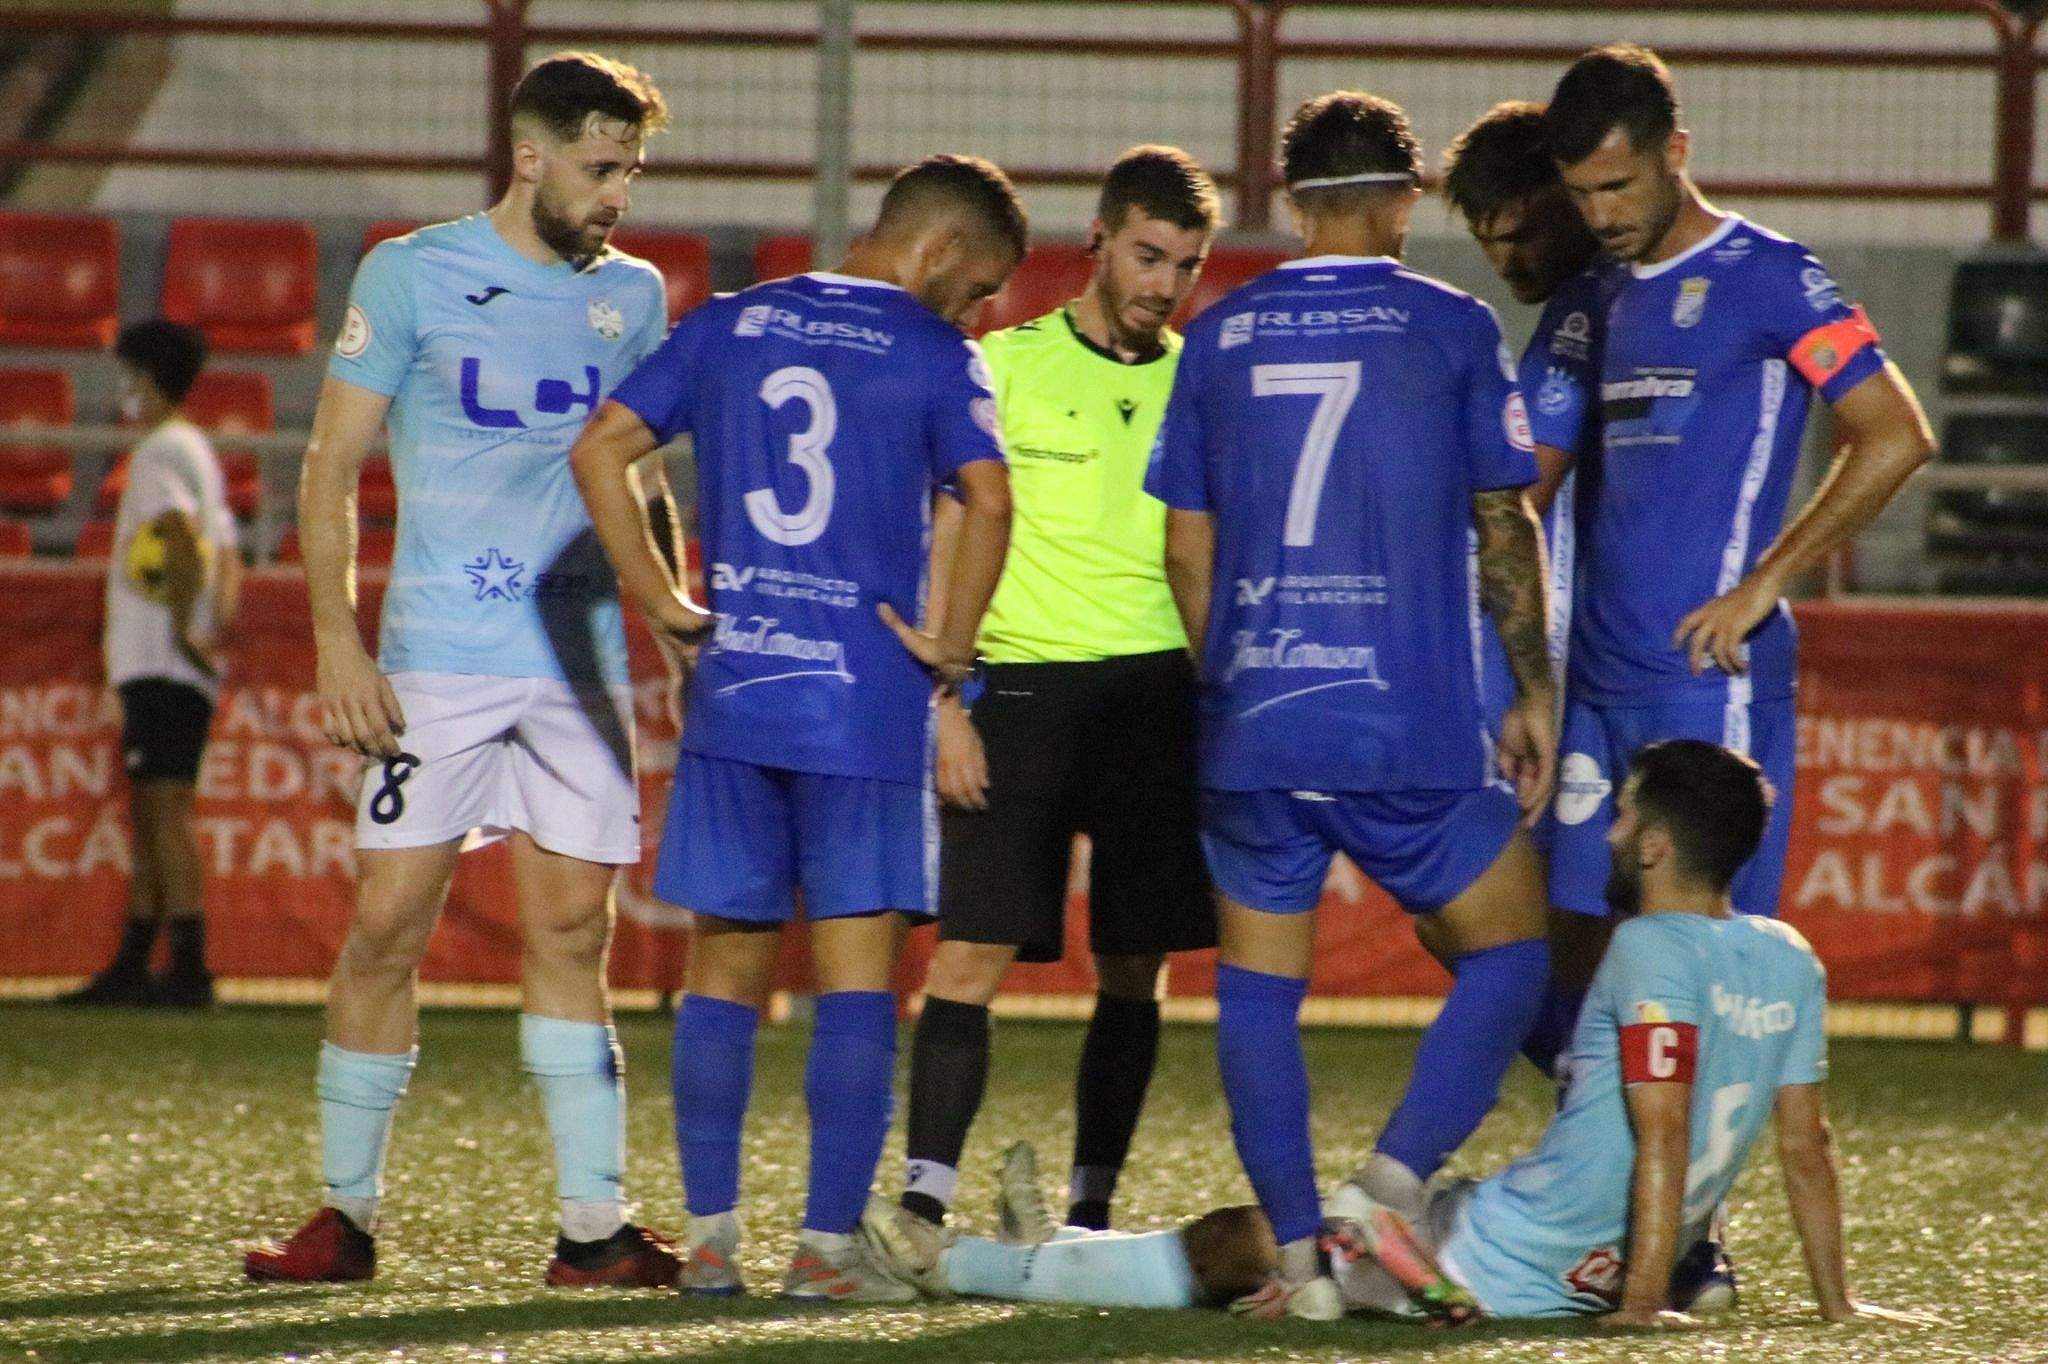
(1021, 1215)
(112, 988)
(184, 990)
(1703, 1281)
(328, 1249)
(907, 1246)
(631, 1257)
(711, 1260)
(1358, 1225)
(845, 1273)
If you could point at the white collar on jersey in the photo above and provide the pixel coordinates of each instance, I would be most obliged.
(1326, 262)
(1713, 238)
(827, 277)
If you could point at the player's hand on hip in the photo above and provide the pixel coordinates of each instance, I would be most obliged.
(950, 670)
(1714, 633)
(1528, 752)
(963, 762)
(358, 709)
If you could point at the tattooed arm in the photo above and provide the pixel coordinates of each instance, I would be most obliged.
(1511, 583)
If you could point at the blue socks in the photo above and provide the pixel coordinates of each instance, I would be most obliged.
(1557, 1018)
(1265, 1080)
(579, 1071)
(1493, 1002)
(358, 1090)
(848, 1086)
(712, 1075)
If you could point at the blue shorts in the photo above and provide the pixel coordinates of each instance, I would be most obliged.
(1598, 742)
(741, 840)
(1271, 850)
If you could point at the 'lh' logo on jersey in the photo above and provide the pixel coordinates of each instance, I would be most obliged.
(553, 397)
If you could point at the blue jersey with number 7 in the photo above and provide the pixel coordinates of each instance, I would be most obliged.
(1335, 417)
(825, 411)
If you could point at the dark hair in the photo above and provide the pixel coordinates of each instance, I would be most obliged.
(564, 90)
(1498, 162)
(1619, 86)
(1348, 132)
(1714, 802)
(947, 181)
(169, 354)
(1160, 182)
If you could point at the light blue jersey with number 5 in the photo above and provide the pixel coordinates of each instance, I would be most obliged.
(493, 363)
(1546, 1236)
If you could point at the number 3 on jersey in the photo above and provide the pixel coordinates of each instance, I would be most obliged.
(1335, 387)
(808, 451)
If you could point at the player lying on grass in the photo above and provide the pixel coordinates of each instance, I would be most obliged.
(1700, 1023)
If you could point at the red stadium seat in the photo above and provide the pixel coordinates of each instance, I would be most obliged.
(34, 477)
(222, 402)
(684, 259)
(376, 495)
(95, 540)
(781, 257)
(247, 283)
(1227, 268)
(60, 280)
(15, 541)
(374, 546)
(1050, 275)
(384, 229)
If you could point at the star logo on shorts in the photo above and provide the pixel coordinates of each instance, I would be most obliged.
(495, 577)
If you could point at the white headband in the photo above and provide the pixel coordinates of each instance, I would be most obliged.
(1364, 178)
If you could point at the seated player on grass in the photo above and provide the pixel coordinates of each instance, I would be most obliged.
(1699, 1024)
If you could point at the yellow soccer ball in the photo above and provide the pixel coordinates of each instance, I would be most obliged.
(148, 562)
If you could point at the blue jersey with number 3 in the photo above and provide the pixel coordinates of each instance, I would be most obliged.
(825, 410)
(1547, 1235)
(493, 363)
(1335, 417)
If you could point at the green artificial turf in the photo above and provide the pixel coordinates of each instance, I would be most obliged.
(140, 1153)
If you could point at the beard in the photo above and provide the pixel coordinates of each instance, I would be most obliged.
(1624, 883)
(1144, 337)
(1658, 224)
(571, 240)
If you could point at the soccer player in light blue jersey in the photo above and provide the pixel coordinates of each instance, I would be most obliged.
(1701, 1024)
(1502, 181)
(1716, 337)
(498, 704)
(827, 409)
(1342, 434)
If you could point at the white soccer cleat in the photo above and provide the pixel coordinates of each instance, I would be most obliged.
(1355, 1224)
(846, 1272)
(1021, 1213)
(907, 1246)
(711, 1259)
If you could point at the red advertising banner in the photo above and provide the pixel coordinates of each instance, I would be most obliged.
(1919, 861)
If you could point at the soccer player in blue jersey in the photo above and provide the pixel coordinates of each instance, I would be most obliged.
(827, 409)
(499, 702)
(1701, 1023)
(1341, 432)
(1717, 337)
(1504, 184)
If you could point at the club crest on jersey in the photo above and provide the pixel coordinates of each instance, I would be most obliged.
(1556, 393)
(1237, 330)
(1691, 303)
(355, 334)
(605, 319)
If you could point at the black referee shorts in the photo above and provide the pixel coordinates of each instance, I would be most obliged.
(163, 729)
(1105, 748)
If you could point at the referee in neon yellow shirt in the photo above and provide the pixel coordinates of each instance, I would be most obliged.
(1086, 719)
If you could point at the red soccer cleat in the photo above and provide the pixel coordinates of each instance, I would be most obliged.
(328, 1249)
(631, 1257)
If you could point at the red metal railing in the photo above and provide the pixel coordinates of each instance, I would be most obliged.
(2012, 61)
